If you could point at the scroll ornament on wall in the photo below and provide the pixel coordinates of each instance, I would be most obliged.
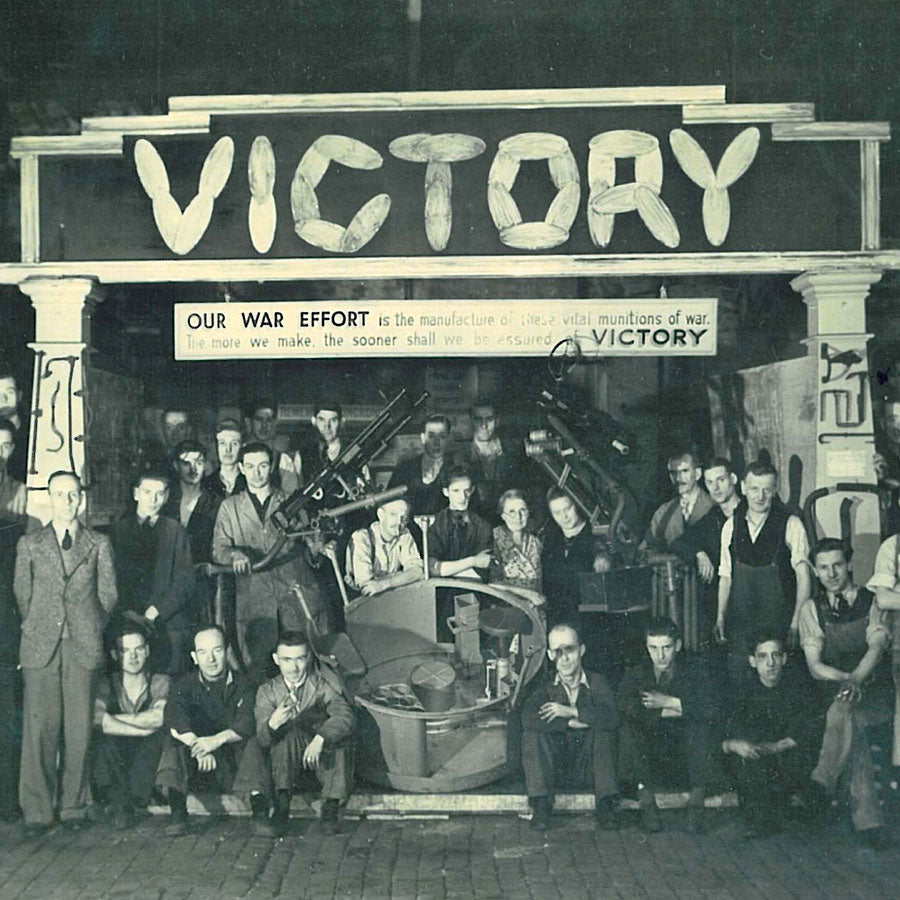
(554, 229)
(182, 230)
(313, 165)
(736, 159)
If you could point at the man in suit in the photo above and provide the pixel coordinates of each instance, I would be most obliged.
(244, 534)
(689, 505)
(570, 725)
(65, 586)
(155, 573)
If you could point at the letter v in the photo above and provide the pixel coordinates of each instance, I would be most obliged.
(182, 230)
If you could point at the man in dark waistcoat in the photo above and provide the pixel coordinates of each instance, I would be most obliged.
(764, 577)
(843, 634)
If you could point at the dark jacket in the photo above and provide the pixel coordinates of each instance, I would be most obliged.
(201, 523)
(424, 499)
(207, 708)
(157, 573)
(690, 683)
(596, 706)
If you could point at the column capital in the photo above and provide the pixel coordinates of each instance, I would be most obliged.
(63, 306)
(835, 299)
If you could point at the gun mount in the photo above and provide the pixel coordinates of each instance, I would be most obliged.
(582, 452)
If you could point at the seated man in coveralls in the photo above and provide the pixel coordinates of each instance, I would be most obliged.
(570, 725)
(843, 634)
(209, 716)
(303, 721)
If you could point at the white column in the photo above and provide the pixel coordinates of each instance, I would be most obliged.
(57, 441)
(842, 417)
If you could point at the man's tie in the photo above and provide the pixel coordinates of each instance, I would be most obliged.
(67, 541)
(842, 605)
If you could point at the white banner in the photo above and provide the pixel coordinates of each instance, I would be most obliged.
(671, 327)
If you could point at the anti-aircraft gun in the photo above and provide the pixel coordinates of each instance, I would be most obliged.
(584, 452)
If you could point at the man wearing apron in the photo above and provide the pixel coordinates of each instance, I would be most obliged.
(885, 582)
(843, 634)
(764, 577)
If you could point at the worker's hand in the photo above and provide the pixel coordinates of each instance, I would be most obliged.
(369, 588)
(240, 562)
(151, 613)
(850, 692)
(705, 568)
(482, 560)
(206, 763)
(313, 752)
(744, 749)
(655, 700)
(283, 713)
(550, 711)
(205, 746)
(719, 631)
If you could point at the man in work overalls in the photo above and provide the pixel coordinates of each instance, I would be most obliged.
(843, 634)
(764, 577)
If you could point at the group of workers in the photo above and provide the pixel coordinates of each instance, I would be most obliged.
(125, 667)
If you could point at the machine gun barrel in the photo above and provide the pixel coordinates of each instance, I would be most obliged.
(366, 502)
(367, 445)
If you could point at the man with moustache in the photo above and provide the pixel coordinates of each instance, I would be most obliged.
(65, 586)
(764, 578)
(155, 572)
(700, 544)
(689, 506)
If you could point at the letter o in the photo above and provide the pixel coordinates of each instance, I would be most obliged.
(194, 320)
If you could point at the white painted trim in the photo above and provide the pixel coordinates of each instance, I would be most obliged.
(831, 131)
(67, 145)
(255, 104)
(715, 113)
(30, 208)
(393, 268)
(173, 123)
(870, 194)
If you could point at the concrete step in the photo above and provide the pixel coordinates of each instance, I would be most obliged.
(413, 805)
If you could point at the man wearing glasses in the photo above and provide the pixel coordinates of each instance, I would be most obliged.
(570, 725)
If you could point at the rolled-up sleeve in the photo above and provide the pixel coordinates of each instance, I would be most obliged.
(796, 541)
(877, 630)
(810, 631)
(885, 574)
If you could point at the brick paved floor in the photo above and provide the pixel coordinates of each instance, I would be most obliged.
(461, 857)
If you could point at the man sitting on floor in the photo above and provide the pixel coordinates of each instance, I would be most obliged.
(570, 725)
(303, 721)
(128, 736)
(843, 634)
(209, 717)
(668, 706)
(772, 736)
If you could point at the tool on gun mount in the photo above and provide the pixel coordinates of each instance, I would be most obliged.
(603, 498)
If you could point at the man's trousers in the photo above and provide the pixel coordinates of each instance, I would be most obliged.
(124, 768)
(586, 757)
(57, 702)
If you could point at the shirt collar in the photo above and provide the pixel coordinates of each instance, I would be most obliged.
(60, 531)
(229, 678)
(849, 594)
(151, 519)
(581, 681)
